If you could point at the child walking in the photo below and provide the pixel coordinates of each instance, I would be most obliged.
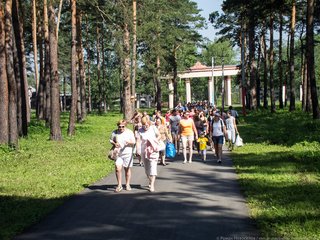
(202, 140)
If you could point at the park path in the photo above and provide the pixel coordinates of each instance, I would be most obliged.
(192, 201)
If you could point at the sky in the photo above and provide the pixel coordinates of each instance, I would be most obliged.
(209, 6)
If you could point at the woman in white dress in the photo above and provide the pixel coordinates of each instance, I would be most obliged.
(150, 137)
(232, 130)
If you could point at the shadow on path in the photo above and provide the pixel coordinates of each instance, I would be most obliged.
(192, 201)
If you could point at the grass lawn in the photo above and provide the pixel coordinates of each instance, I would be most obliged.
(42, 174)
(279, 173)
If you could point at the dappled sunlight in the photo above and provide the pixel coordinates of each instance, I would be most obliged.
(279, 173)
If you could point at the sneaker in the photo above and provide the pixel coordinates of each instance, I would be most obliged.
(219, 161)
(190, 161)
(185, 161)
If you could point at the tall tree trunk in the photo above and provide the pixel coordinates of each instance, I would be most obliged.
(4, 99)
(82, 75)
(258, 80)
(175, 75)
(126, 73)
(99, 70)
(304, 77)
(103, 86)
(286, 83)
(271, 63)
(310, 59)
(47, 71)
(265, 70)
(134, 52)
(18, 83)
(291, 61)
(158, 83)
(64, 104)
(58, 19)
(74, 92)
(22, 67)
(252, 64)
(55, 128)
(34, 42)
(42, 83)
(88, 66)
(13, 127)
(280, 62)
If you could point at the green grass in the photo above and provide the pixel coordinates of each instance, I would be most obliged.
(278, 169)
(42, 174)
(279, 173)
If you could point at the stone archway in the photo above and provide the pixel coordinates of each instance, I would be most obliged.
(198, 71)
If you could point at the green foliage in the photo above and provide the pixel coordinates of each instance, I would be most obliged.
(42, 174)
(221, 51)
(279, 173)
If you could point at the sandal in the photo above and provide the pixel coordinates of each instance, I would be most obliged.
(128, 188)
(118, 189)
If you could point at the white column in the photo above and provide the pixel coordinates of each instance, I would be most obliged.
(210, 90)
(301, 93)
(170, 86)
(137, 101)
(188, 90)
(228, 89)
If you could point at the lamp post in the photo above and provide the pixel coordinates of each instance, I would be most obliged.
(223, 90)
(212, 78)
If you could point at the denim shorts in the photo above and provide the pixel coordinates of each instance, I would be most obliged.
(217, 139)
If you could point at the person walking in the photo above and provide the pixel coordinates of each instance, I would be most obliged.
(150, 150)
(200, 128)
(164, 137)
(174, 129)
(218, 131)
(203, 140)
(232, 130)
(188, 132)
(123, 139)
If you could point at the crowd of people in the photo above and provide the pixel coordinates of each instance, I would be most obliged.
(194, 126)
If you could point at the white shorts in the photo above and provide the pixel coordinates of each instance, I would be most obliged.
(125, 160)
(187, 138)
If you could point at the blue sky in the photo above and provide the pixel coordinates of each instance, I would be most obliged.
(209, 6)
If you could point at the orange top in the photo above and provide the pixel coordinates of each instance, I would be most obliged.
(186, 127)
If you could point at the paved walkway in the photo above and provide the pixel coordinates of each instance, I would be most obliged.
(192, 201)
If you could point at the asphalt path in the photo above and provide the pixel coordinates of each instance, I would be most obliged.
(192, 201)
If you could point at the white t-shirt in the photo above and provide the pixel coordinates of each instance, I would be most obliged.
(122, 138)
(217, 128)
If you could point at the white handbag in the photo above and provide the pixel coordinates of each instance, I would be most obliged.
(239, 141)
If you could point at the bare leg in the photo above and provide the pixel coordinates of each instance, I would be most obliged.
(190, 150)
(220, 152)
(152, 180)
(163, 159)
(128, 177)
(216, 150)
(184, 149)
(119, 177)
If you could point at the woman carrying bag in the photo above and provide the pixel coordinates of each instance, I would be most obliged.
(164, 137)
(218, 131)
